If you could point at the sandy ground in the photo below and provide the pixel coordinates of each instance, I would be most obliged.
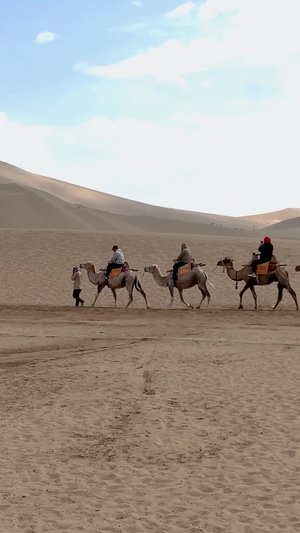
(139, 421)
(142, 420)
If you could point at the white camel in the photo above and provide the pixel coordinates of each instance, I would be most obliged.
(126, 279)
(195, 277)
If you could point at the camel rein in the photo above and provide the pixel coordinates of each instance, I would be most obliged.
(236, 280)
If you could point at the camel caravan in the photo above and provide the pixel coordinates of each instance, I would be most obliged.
(187, 273)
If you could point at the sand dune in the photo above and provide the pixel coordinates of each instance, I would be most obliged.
(274, 217)
(287, 229)
(25, 204)
(27, 207)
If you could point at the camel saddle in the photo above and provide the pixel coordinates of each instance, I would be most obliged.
(185, 269)
(115, 272)
(265, 268)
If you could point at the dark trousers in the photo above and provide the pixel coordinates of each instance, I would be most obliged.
(110, 266)
(176, 267)
(258, 262)
(76, 296)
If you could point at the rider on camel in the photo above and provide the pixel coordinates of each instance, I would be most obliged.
(116, 261)
(184, 258)
(266, 252)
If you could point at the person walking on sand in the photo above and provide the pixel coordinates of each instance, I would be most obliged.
(116, 261)
(77, 279)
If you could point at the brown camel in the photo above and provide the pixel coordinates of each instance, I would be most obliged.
(279, 274)
(125, 279)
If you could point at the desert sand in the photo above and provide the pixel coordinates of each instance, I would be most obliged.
(135, 420)
(145, 420)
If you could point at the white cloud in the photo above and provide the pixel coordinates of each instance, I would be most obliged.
(136, 3)
(23, 145)
(181, 11)
(211, 8)
(167, 63)
(45, 37)
(259, 34)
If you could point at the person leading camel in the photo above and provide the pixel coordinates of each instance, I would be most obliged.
(266, 251)
(116, 261)
(184, 257)
(76, 278)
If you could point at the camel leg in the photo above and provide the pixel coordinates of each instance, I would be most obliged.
(293, 294)
(130, 292)
(279, 297)
(205, 294)
(182, 299)
(254, 296)
(115, 297)
(138, 287)
(99, 289)
(246, 287)
(171, 289)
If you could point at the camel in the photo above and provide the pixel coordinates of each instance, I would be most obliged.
(195, 277)
(279, 274)
(126, 279)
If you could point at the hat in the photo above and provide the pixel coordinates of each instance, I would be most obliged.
(115, 246)
(267, 239)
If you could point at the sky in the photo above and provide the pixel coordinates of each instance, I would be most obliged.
(192, 105)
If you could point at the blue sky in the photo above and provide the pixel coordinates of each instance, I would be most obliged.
(193, 105)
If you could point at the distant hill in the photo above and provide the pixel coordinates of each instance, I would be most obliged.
(26, 207)
(32, 201)
(274, 217)
(287, 229)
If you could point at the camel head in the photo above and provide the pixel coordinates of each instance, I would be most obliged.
(150, 269)
(87, 266)
(226, 262)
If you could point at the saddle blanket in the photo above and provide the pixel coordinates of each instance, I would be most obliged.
(184, 270)
(264, 268)
(115, 272)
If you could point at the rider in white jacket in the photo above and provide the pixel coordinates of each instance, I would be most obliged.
(116, 261)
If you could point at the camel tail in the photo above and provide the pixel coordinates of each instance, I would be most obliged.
(137, 285)
(206, 279)
(139, 288)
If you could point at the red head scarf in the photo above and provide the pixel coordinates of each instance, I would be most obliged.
(267, 239)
